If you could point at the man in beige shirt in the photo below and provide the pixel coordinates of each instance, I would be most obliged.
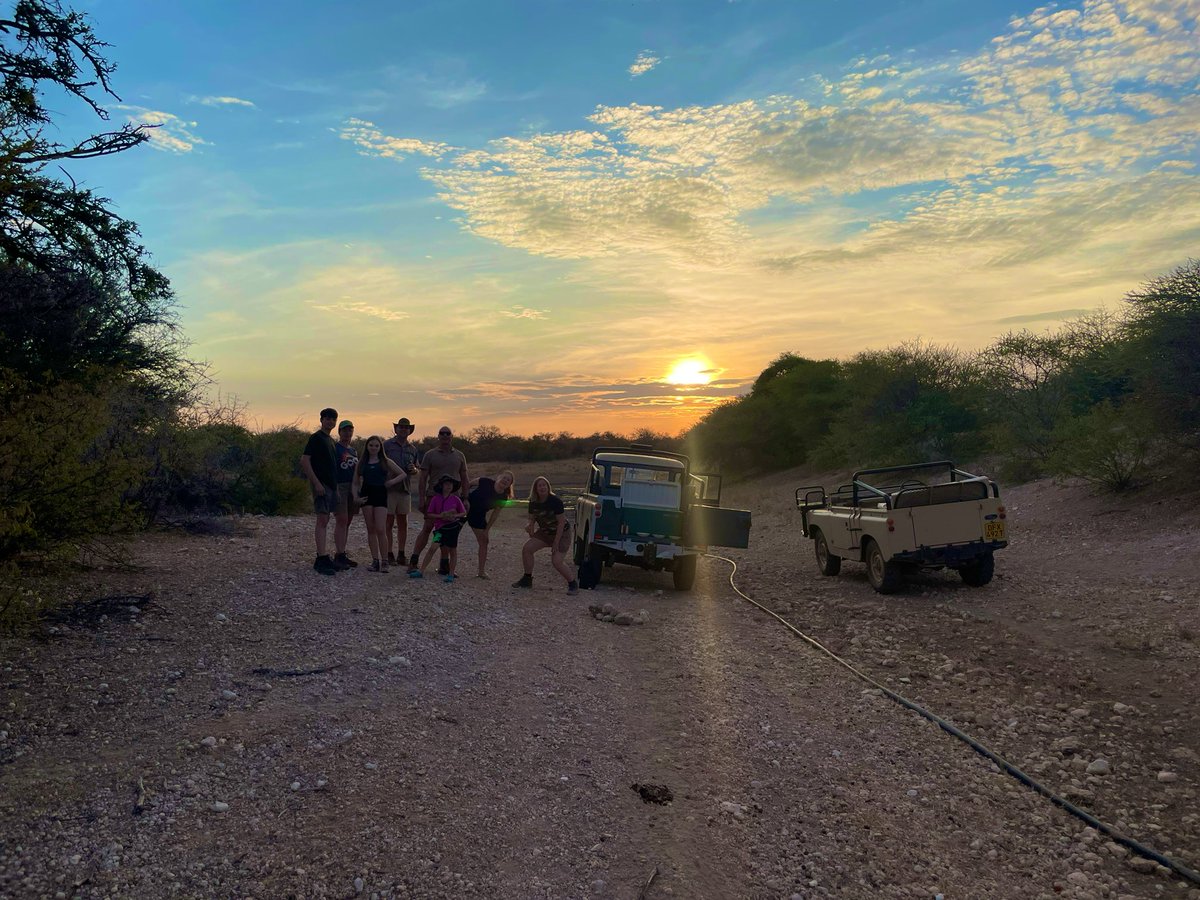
(443, 459)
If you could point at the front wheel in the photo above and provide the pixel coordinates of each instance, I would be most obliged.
(884, 575)
(683, 572)
(827, 562)
(979, 571)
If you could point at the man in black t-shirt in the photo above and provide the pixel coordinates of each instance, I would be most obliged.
(319, 465)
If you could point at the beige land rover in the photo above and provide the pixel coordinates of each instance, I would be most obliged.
(900, 519)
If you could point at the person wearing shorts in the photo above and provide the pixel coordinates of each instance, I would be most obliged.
(441, 460)
(319, 465)
(372, 478)
(347, 504)
(404, 453)
(487, 498)
(444, 511)
(547, 527)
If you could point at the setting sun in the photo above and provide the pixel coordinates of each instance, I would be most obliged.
(690, 371)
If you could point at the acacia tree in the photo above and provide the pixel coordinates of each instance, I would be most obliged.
(91, 359)
(76, 288)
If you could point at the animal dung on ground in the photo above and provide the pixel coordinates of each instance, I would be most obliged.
(654, 793)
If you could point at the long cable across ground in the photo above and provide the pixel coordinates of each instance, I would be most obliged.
(1141, 849)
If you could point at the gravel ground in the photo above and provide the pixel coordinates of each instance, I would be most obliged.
(470, 740)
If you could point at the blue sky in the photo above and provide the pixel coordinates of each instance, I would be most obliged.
(532, 214)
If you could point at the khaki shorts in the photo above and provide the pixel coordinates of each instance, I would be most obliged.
(399, 502)
(347, 503)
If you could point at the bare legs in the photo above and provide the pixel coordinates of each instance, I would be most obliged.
(482, 535)
(401, 524)
(532, 546)
(322, 538)
(376, 517)
(341, 531)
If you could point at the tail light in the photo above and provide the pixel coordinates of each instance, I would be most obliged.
(1000, 510)
(597, 511)
(891, 523)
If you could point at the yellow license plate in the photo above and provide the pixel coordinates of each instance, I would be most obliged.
(993, 531)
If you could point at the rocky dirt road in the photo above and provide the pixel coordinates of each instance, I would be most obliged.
(469, 740)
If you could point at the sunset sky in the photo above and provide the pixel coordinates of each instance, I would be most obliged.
(596, 214)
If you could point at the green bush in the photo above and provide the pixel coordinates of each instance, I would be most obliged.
(1109, 445)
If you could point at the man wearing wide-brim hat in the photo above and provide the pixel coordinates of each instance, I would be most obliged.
(405, 454)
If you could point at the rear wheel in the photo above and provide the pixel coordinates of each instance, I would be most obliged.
(826, 561)
(683, 572)
(979, 572)
(591, 564)
(885, 576)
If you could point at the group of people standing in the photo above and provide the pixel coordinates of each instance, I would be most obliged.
(382, 481)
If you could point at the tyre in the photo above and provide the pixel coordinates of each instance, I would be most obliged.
(979, 572)
(580, 550)
(885, 576)
(826, 561)
(589, 569)
(683, 572)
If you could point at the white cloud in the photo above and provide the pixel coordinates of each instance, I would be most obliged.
(373, 142)
(644, 63)
(1107, 92)
(225, 101)
(524, 312)
(172, 133)
(357, 307)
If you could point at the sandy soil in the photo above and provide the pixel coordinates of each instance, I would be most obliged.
(470, 740)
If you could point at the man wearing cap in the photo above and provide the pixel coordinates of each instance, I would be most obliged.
(405, 454)
(441, 460)
(347, 504)
(319, 465)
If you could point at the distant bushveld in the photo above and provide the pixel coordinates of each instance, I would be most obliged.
(1106, 397)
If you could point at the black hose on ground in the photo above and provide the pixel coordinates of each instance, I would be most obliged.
(1141, 849)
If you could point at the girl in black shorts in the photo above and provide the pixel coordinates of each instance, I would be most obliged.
(488, 496)
(374, 475)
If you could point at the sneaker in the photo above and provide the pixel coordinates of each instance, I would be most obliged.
(415, 573)
(324, 565)
(339, 564)
(448, 578)
(413, 561)
(526, 581)
(572, 586)
(391, 558)
(383, 567)
(374, 566)
(345, 561)
(444, 567)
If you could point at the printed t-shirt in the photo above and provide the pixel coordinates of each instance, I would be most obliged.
(321, 451)
(347, 462)
(546, 514)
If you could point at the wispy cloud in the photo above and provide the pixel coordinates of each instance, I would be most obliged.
(644, 63)
(357, 307)
(172, 133)
(1061, 102)
(373, 142)
(225, 101)
(524, 312)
